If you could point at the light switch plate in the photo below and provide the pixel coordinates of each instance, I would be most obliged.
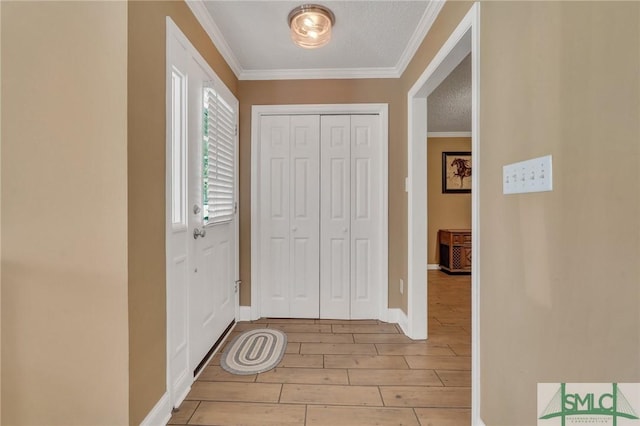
(535, 175)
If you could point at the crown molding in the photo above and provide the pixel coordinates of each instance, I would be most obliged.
(318, 74)
(203, 16)
(427, 20)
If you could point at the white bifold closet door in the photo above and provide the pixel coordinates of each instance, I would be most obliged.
(289, 216)
(320, 220)
(350, 220)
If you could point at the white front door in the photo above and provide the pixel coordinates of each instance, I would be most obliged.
(212, 245)
(202, 232)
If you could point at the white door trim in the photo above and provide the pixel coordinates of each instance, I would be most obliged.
(257, 111)
(463, 40)
(177, 390)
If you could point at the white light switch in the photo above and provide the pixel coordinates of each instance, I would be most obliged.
(528, 176)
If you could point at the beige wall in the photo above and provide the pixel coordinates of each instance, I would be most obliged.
(444, 211)
(57, 294)
(560, 277)
(570, 284)
(327, 92)
(391, 91)
(64, 218)
(146, 185)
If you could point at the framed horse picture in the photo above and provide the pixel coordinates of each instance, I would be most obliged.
(456, 172)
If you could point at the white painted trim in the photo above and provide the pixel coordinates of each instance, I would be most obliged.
(203, 16)
(160, 413)
(448, 56)
(427, 20)
(172, 387)
(384, 238)
(448, 134)
(257, 111)
(245, 314)
(433, 267)
(292, 109)
(322, 73)
(183, 396)
(464, 39)
(474, 17)
(417, 219)
(397, 316)
(255, 234)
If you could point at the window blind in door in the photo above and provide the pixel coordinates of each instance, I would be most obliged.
(218, 158)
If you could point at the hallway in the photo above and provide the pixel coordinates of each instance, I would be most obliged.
(350, 372)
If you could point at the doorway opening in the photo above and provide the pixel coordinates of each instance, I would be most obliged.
(462, 42)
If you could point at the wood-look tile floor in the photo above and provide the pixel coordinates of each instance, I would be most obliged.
(350, 372)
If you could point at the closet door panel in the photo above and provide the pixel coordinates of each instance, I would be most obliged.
(361, 269)
(335, 205)
(305, 216)
(365, 216)
(275, 268)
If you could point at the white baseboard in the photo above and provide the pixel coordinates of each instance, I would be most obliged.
(403, 321)
(245, 313)
(433, 267)
(479, 422)
(185, 393)
(396, 315)
(384, 315)
(392, 315)
(160, 414)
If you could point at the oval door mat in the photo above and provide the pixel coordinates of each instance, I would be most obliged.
(254, 351)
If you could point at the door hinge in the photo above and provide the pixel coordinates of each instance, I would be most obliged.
(236, 286)
(235, 207)
(236, 130)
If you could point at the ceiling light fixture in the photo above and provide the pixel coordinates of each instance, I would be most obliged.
(311, 25)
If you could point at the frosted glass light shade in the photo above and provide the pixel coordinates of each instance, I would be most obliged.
(311, 25)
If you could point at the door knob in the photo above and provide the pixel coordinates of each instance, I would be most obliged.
(198, 233)
(344, 230)
(294, 229)
(196, 209)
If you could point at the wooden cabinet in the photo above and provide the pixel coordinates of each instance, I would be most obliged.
(455, 250)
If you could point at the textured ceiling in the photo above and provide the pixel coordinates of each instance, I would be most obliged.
(449, 105)
(370, 38)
